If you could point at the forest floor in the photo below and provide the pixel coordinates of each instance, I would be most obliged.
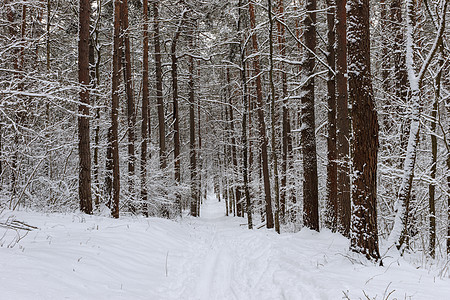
(74, 256)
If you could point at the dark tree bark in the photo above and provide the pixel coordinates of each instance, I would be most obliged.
(114, 135)
(176, 122)
(94, 61)
(245, 167)
(159, 86)
(226, 161)
(286, 122)
(144, 129)
(199, 160)
(342, 121)
(273, 118)
(262, 124)
(47, 41)
(364, 236)
(94, 80)
(131, 114)
(447, 143)
(448, 180)
(13, 33)
(308, 136)
(192, 152)
(84, 151)
(108, 183)
(229, 155)
(199, 155)
(384, 47)
(432, 185)
(332, 208)
(434, 154)
(236, 190)
(399, 65)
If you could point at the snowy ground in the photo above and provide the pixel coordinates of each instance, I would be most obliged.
(213, 257)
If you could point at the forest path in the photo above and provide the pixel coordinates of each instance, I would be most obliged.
(242, 264)
(75, 256)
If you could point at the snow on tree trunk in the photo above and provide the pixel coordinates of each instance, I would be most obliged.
(145, 115)
(342, 122)
(192, 152)
(262, 124)
(399, 235)
(114, 132)
(331, 183)
(307, 131)
(84, 150)
(159, 87)
(364, 229)
(131, 114)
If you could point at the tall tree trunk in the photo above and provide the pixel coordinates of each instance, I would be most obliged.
(447, 104)
(144, 129)
(245, 171)
(95, 49)
(199, 158)
(342, 121)
(47, 40)
(229, 155)
(384, 46)
(18, 77)
(199, 154)
(97, 111)
(434, 152)
(192, 154)
(432, 185)
(399, 233)
(13, 33)
(308, 136)
(245, 148)
(93, 82)
(286, 123)
(176, 122)
(114, 135)
(332, 207)
(226, 162)
(47, 105)
(399, 62)
(84, 151)
(131, 115)
(159, 86)
(236, 190)
(201, 186)
(262, 125)
(273, 118)
(364, 236)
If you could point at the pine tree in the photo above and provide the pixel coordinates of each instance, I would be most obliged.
(159, 87)
(342, 121)
(308, 136)
(145, 108)
(84, 150)
(114, 131)
(262, 124)
(332, 208)
(364, 229)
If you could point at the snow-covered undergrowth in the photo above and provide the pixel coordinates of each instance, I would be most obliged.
(213, 257)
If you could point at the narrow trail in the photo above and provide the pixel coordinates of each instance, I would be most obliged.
(242, 264)
(74, 256)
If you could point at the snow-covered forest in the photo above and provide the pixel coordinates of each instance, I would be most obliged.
(243, 149)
